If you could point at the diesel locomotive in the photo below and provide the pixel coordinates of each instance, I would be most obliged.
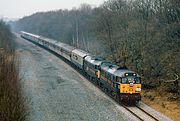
(122, 84)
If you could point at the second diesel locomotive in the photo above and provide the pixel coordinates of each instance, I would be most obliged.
(122, 84)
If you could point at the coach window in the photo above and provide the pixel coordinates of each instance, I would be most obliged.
(66, 52)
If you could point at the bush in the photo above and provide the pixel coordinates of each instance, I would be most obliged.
(12, 103)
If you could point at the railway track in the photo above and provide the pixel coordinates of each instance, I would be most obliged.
(147, 113)
(140, 113)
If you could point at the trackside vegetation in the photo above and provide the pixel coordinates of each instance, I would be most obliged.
(12, 103)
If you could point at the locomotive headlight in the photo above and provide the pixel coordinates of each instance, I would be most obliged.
(138, 89)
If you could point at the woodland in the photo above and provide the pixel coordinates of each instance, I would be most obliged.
(143, 35)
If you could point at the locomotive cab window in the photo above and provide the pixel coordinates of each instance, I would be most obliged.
(137, 80)
(124, 80)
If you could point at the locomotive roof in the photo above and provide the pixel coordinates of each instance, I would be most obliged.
(122, 72)
(115, 70)
(109, 67)
(94, 60)
(80, 52)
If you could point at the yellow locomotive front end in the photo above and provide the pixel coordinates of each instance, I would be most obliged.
(130, 88)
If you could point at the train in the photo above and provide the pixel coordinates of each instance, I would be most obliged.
(122, 84)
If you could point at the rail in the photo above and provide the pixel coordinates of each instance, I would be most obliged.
(147, 113)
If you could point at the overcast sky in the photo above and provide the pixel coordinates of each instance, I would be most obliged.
(20, 8)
